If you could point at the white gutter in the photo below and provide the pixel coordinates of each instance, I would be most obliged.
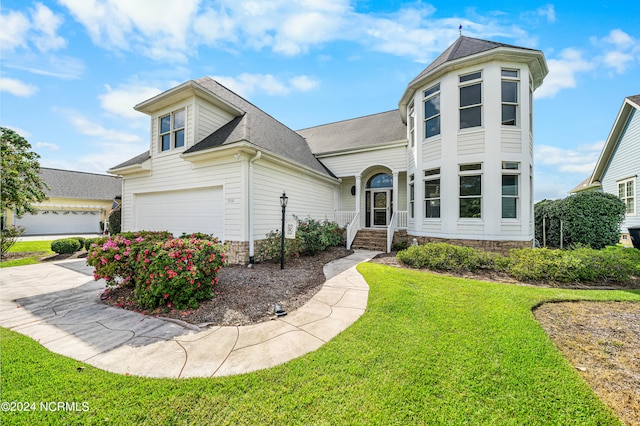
(250, 206)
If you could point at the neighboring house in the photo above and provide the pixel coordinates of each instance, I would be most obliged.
(77, 203)
(454, 162)
(618, 167)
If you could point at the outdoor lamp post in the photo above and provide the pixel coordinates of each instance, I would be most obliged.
(283, 204)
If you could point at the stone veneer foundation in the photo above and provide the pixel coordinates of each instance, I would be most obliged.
(501, 247)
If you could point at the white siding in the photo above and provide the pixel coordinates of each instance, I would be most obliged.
(309, 196)
(624, 164)
(171, 173)
(432, 149)
(353, 164)
(210, 119)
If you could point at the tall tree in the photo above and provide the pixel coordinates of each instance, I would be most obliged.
(21, 184)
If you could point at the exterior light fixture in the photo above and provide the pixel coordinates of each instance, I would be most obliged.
(283, 203)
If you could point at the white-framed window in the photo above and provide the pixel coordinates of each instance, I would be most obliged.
(509, 87)
(412, 125)
(510, 189)
(470, 88)
(412, 196)
(432, 111)
(470, 197)
(432, 193)
(627, 193)
(172, 130)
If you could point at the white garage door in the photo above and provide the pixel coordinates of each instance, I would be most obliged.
(195, 210)
(60, 222)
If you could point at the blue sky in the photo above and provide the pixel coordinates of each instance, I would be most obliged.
(72, 70)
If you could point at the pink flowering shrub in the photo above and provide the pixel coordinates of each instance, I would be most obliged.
(114, 258)
(177, 273)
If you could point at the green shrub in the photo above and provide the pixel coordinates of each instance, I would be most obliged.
(591, 218)
(446, 257)
(580, 265)
(270, 248)
(178, 273)
(81, 240)
(613, 264)
(115, 221)
(9, 236)
(65, 245)
(316, 236)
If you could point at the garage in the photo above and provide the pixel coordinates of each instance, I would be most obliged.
(46, 222)
(185, 211)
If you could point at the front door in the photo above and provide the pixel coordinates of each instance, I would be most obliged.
(380, 203)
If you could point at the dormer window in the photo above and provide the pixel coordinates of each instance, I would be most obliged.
(172, 130)
(471, 100)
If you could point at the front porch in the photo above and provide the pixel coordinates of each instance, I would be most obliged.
(370, 238)
(374, 200)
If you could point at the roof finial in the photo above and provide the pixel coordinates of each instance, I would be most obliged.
(460, 30)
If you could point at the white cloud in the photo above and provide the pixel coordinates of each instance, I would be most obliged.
(58, 66)
(285, 27)
(562, 72)
(45, 24)
(246, 84)
(581, 160)
(25, 134)
(39, 29)
(159, 29)
(17, 87)
(109, 146)
(47, 145)
(15, 27)
(620, 50)
(120, 101)
(90, 128)
(548, 12)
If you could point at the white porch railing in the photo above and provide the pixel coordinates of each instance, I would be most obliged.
(343, 218)
(352, 229)
(402, 220)
(398, 221)
(391, 229)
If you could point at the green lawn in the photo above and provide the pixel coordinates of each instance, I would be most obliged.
(43, 248)
(429, 350)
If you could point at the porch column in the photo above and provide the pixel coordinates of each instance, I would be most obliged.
(358, 185)
(395, 192)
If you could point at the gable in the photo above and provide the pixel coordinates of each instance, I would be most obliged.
(624, 161)
(622, 144)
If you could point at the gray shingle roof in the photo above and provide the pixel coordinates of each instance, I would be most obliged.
(138, 159)
(462, 47)
(369, 131)
(635, 99)
(81, 185)
(258, 128)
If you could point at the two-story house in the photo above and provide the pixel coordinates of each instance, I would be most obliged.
(454, 162)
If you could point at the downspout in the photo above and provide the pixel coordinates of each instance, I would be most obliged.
(250, 207)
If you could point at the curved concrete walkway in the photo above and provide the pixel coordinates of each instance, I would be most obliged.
(58, 305)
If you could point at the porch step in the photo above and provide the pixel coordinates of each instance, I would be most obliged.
(371, 239)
